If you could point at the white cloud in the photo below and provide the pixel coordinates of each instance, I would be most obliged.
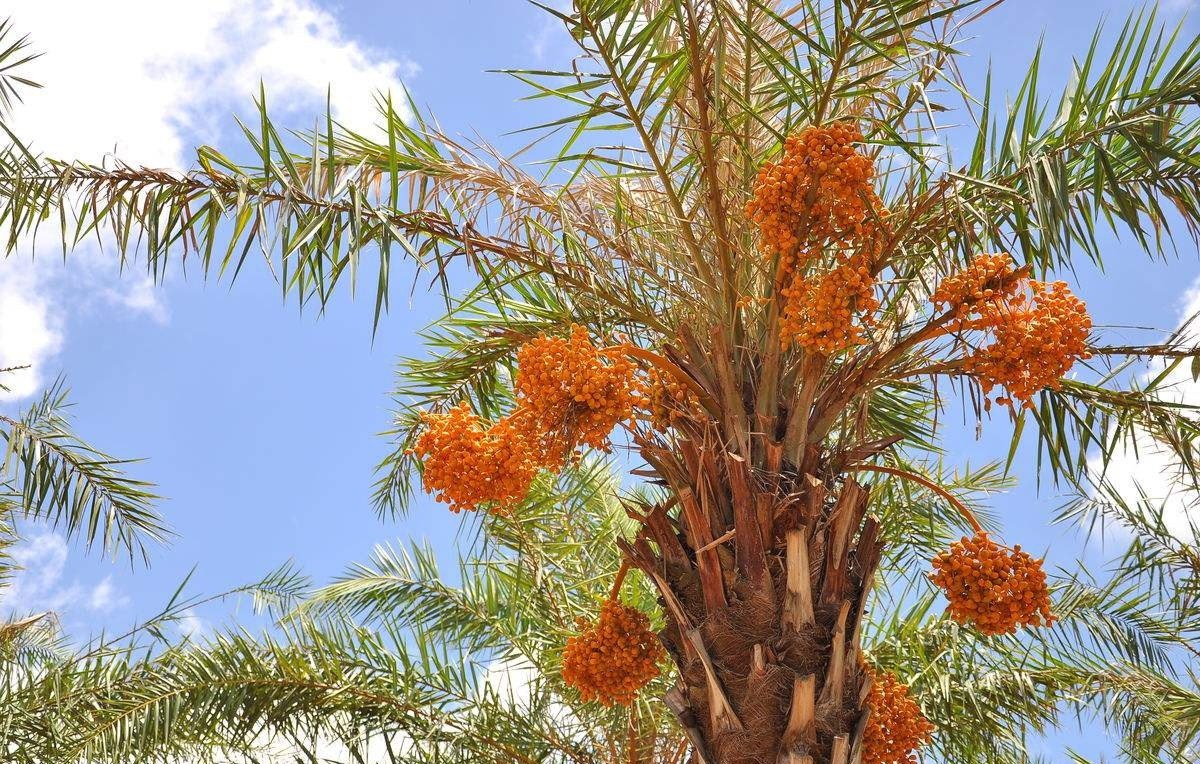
(140, 76)
(36, 297)
(29, 332)
(512, 680)
(38, 586)
(104, 597)
(140, 295)
(1143, 468)
(301, 56)
(190, 625)
(145, 80)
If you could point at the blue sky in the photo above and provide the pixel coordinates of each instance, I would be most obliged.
(260, 423)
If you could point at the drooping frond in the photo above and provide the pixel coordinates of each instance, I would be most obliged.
(989, 696)
(49, 473)
(1117, 149)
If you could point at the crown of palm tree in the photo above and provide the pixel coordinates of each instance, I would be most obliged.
(646, 243)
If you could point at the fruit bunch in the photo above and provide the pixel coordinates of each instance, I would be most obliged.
(817, 204)
(469, 463)
(987, 282)
(991, 587)
(818, 193)
(896, 728)
(613, 658)
(574, 390)
(1034, 343)
(664, 400)
(1037, 330)
(819, 311)
(568, 393)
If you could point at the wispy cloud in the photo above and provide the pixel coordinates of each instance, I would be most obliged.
(145, 80)
(191, 625)
(40, 583)
(1140, 467)
(38, 297)
(104, 597)
(547, 32)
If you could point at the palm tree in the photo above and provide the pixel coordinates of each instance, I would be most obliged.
(776, 251)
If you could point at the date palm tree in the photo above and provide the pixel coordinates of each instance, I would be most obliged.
(753, 202)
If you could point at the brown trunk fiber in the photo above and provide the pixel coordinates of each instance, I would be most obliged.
(763, 579)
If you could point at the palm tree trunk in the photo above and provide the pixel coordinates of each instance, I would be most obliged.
(763, 575)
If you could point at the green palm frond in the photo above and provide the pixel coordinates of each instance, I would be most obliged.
(990, 696)
(1161, 560)
(919, 523)
(1116, 149)
(390, 654)
(49, 473)
(537, 571)
(14, 57)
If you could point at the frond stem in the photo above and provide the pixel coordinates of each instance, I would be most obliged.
(967, 514)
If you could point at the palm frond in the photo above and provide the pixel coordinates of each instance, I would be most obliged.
(50, 474)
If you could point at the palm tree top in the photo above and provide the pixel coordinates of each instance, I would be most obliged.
(798, 329)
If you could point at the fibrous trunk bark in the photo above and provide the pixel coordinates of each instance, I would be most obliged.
(763, 573)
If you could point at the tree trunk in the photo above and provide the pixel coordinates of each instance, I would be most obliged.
(763, 575)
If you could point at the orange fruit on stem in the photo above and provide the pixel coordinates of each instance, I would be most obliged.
(613, 658)
(896, 728)
(991, 587)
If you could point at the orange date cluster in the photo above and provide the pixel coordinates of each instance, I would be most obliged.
(818, 192)
(1034, 343)
(665, 400)
(1037, 330)
(991, 587)
(569, 392)
(987, 282)
(817, 204)
(896, 728)
(574, 389)
(819, 312)
(468, 463)
(613, 658)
